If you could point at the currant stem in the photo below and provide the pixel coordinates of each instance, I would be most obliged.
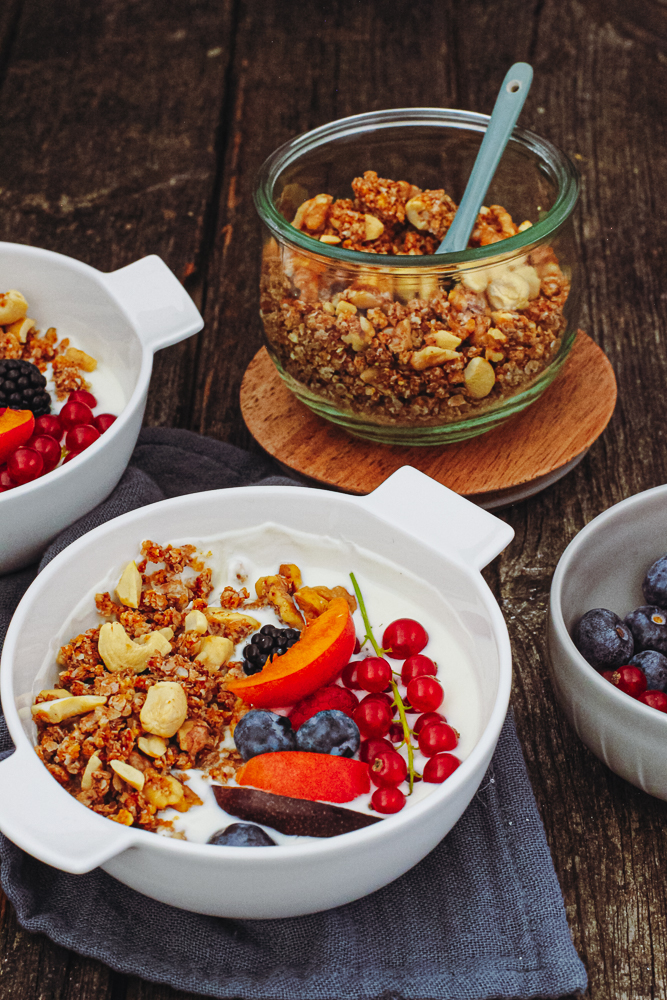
(397, 696)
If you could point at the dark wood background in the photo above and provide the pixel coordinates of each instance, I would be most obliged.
(130, 127)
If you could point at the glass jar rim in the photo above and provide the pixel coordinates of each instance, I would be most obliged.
(561, 170)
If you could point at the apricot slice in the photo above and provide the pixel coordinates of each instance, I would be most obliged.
(302, 775)
(290, 815)
(16, 426)
(322, 651)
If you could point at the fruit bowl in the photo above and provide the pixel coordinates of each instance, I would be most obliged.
(120, 319)
(378, 530)
(604, 567)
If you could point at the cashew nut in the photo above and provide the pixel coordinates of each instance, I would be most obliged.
(64, 708)
(480, 377)
(214, 651)
(94, 764)
(374, 227)
(128, 590)
(128, 773)
(12, 307)
(195, 621)
(165, 709)
(119, 652)
(21, 328)
(153, 746)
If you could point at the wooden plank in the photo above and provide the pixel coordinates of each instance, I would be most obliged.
(104, 105)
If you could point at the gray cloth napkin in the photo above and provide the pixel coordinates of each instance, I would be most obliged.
(482, 916)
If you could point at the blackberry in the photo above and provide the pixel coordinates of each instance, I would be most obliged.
(269, 641)
(22, 387)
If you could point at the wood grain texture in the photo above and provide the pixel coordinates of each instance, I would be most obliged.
(137, 126)
(562, 424)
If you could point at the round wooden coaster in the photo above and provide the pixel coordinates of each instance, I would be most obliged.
(522, 456)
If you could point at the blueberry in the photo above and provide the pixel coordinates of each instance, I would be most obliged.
(242, 835)
(655, 583)
(603, 639)
(654, 667)
(331, 732)
(648, 625)
(263, 732)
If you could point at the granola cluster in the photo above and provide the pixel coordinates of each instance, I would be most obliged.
(406, 349)
(142, 698)
(21, 340)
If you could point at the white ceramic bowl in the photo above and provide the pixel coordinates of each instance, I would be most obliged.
(121, 319)
(603, 567)
(446, 545)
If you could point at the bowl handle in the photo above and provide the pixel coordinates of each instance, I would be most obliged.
(157, 305)
(439, 517)
(37, 817)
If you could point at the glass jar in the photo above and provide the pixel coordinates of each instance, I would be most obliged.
(414, 347)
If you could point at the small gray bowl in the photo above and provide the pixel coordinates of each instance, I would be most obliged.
(604, 567)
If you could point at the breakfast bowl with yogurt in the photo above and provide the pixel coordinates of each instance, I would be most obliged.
(76, 354)
(212, 702)
(367, 323)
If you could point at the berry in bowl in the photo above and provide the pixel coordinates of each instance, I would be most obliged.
(608, 638)
(73, 384)
(238, 709)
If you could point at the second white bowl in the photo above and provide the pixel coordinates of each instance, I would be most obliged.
(604, 567)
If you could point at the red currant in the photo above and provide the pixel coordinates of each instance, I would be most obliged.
(81, 437)
(404, 638)
(654, 699)
(437, 737)
(103, 421)
(417, 666)
(426, 720)
(438, 768)
(608, 674)
(75, 413)
(630, 680)
(7, 483)
(48, 448)
(49, 424)
(387, 800)
(425, 694)
(81, 396)
(357, 646)
(373, 674)
(373, 717)
(349, 676)
(70, 455)
(24, 465)
(371, 748)
(383, 697)
(388, 769)
(396, 734)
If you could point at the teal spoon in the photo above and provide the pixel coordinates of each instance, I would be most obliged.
(510, 101)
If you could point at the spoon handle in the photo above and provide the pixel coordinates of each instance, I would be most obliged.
(510, 101)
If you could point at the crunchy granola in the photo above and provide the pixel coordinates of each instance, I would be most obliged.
(20, 340)
(405, 349)
(142, 698)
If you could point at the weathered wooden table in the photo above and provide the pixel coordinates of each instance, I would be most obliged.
(130, 127)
